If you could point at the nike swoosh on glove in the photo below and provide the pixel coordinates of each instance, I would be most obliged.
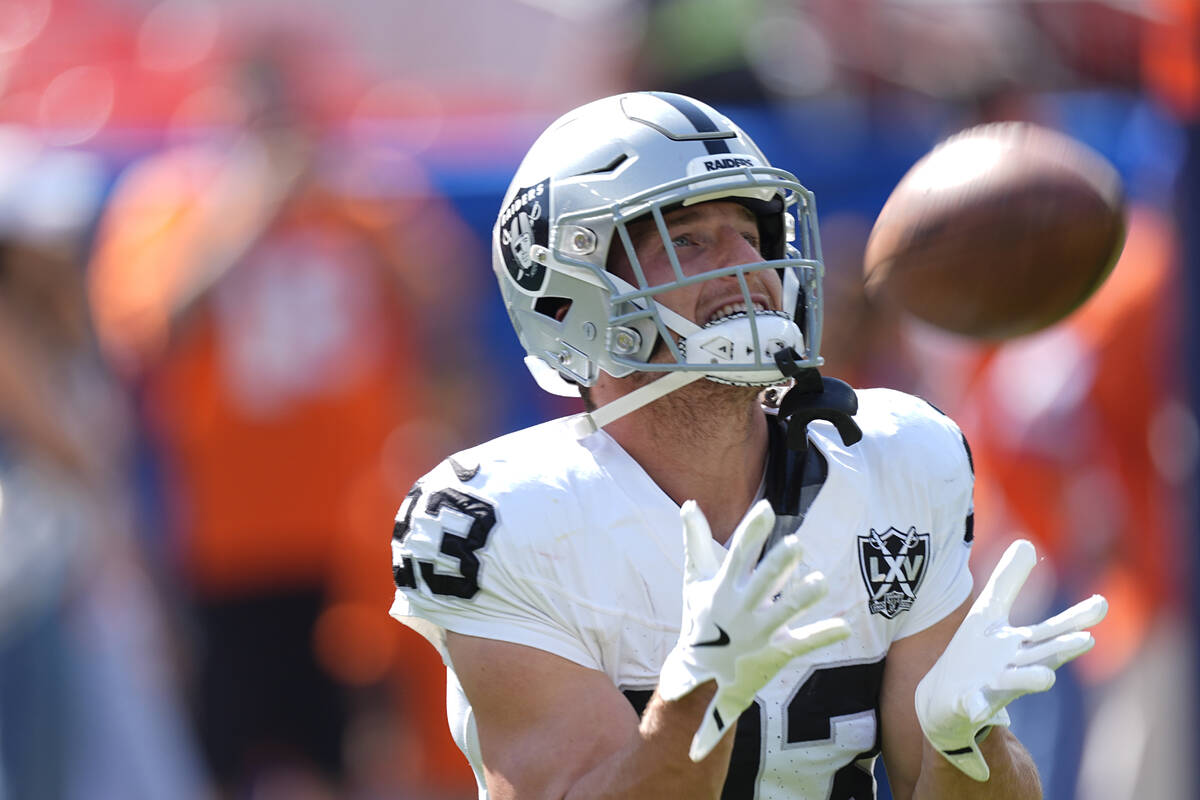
(989, 663)
(741, 618)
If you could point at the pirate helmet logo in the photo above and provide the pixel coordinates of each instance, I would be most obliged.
(519, 236)
(524, 225)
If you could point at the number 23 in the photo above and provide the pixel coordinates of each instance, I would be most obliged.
(462, 548)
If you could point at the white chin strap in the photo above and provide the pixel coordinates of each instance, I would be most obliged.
(588, 423)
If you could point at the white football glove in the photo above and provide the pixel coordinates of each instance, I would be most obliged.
(737, 618)
(989, 663)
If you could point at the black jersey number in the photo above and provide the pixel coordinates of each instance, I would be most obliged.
(826, 696)
(483, 517)
(403, 573)
(829, 695)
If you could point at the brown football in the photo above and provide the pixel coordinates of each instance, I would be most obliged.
(1000, 230)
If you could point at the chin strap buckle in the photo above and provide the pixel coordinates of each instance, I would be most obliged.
(815, 397)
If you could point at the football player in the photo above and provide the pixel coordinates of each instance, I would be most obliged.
(683, 591)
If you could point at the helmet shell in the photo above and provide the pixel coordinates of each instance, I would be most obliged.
(604, 165)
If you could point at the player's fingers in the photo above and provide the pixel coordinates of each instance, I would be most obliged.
(976, 707)
(777, 575)
(1083, 614)
(1056, 652)
(980, 711)
(749, 537)
(813, 636)
(1024, 680)
(794, 596)
(699, 560)
(1006, 580)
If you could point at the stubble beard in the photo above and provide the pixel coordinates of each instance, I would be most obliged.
(692, 413)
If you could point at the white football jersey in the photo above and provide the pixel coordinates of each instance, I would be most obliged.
(565, 544)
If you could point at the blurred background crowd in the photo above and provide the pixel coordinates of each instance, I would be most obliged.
(246, 299)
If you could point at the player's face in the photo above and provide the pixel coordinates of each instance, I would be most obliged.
(706, 236)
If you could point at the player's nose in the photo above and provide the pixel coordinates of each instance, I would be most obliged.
(735, 248)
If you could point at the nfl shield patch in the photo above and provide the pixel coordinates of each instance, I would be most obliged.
(893, 565)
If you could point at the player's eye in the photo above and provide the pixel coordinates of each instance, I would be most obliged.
(683, 240)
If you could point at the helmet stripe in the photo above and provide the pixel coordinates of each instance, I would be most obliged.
(698, 118)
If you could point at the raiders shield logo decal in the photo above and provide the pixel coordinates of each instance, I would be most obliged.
(893, 565)
(525, 222)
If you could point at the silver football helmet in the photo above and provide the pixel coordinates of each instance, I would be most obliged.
(636, 156)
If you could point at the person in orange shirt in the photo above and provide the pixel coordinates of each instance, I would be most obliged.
(275, 312)
(1081, 439)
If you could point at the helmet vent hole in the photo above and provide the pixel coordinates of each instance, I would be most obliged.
(553, 307)
(609, 167)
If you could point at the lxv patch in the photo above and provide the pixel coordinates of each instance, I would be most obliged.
(893, 564)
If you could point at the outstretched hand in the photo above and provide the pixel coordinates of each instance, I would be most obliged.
(988, 663)
(742, 618)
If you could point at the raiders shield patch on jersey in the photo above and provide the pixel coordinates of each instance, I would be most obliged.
(893, 564)
(524, 223)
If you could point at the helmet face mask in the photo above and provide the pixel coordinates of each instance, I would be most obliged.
(636, 158)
